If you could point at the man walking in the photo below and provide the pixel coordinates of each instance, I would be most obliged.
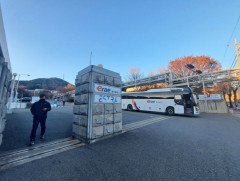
(64, 100)
(39, 111)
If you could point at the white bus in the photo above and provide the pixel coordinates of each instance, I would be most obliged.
(167, 100)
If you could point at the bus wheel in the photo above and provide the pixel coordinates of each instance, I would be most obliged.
(129, 107)
(170, 111)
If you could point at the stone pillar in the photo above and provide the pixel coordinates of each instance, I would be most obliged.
(97, 109)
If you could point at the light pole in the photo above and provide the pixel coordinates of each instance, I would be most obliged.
(191, 67)
(16, 95)
(9, 109)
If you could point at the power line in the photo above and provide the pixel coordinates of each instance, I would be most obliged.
(225, 52)
(234, 30)
(232, 58)
(234, 62)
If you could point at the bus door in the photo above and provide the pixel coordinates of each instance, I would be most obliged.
(188, 104)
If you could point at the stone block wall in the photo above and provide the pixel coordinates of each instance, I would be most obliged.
(5, 82)
(97, 110)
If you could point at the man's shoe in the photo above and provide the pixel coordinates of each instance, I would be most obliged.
(31, 143)
(41, 137)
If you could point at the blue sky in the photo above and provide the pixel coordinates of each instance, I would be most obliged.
(49, 38)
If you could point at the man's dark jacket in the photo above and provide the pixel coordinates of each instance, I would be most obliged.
(37, 108)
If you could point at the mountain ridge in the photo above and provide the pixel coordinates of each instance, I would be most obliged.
(44, 83)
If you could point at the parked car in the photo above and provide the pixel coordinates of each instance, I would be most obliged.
(26, 99)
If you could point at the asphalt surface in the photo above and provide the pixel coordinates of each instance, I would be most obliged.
(180, 148)
(59, 125)
(19, 125)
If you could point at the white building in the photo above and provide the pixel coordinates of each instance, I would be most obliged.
(5, 76)
(3, 43)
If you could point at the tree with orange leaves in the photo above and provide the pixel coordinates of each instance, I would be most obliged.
(203, 63)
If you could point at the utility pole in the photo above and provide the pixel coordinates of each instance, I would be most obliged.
(237, 53)
(236, 45)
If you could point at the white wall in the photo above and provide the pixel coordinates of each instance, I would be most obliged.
(218, 106)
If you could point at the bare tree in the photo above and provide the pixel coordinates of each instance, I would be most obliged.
(230, 97)
(226, 89)
(222, 89)
(152, 73)
(235, 88)
(162, 70)
(134, 74)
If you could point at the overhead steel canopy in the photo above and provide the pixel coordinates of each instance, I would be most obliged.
(171, 80)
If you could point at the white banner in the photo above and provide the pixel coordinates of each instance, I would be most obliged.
(107, 89)
(212, 97)
(107, 99)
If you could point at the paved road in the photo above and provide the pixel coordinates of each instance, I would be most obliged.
(59, 125)
(180, 148)
(134, 116)
(19, 124)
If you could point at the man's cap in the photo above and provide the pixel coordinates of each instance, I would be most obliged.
(42, 95)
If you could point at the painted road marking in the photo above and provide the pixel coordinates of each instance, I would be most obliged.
(34, 153)
(139, 124)
(34, 147)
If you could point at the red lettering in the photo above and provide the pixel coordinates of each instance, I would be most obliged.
(99, 88)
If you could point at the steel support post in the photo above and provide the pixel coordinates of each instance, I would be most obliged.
(205, 98)
(187, 81)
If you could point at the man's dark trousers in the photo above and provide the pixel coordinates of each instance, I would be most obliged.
(36, 121)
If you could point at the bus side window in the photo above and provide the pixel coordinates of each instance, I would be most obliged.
(178, 99)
